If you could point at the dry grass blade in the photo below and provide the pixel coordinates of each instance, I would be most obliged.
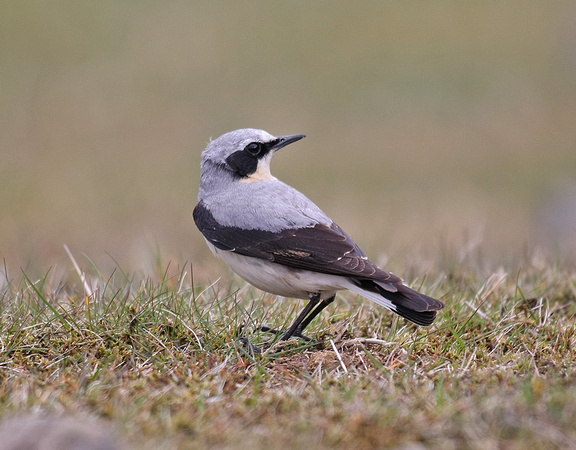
(161, 359)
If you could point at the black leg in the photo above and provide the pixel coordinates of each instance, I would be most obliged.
(295, 327)
(323, 304)
(311, 310)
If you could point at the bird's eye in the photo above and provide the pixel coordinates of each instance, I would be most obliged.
(254, 148)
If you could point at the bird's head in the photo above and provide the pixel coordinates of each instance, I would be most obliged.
(246, 153)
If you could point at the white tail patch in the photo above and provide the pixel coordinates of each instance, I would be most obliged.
(374, 296)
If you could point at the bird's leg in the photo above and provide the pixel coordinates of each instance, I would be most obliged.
(311, 310)
(314, 299)
(295, 327)
(323, 304)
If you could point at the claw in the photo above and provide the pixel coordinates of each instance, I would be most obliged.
(285, 337)
(251, 347)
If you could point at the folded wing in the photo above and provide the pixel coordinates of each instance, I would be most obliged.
(324, 249)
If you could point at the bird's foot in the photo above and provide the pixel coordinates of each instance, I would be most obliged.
(297, 334)
(270, 330)
(258, 350)
(253, 349)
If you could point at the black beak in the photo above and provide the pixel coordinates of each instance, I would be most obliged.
(283, 141)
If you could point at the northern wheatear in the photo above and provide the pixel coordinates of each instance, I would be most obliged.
(278, 240)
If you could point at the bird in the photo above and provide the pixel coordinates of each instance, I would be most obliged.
(281, 242)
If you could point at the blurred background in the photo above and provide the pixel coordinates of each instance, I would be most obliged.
(432, 126)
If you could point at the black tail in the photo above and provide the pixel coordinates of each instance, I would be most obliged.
(423, 318)
(406, 302)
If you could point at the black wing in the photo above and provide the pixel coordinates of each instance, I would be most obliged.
(321, 248)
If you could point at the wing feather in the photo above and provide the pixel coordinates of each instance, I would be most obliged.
(320, 248)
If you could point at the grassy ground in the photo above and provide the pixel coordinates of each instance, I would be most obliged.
(421, 118)
(440, 135)
(160, 359)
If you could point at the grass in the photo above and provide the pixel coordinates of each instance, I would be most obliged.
(159, 357)
(423, 120)
(447, 116)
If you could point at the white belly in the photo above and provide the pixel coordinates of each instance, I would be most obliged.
(281, 280)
